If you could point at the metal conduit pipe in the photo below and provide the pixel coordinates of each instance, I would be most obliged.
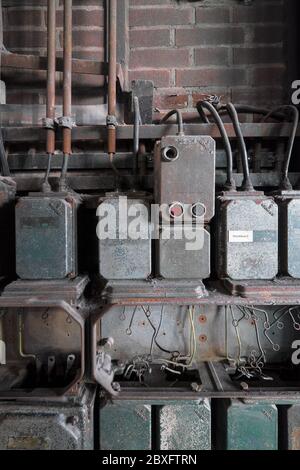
(112, 84)
(66, 121)
(51, 75)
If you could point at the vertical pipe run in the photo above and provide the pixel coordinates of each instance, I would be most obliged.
(112, 80)
(51, 70)
(51, 75)
(67, 91)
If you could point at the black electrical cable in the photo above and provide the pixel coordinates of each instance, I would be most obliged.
(64, 172)
(3, 159)
(46, 185)
(230, 183)
(156, 331)
(285, 181)
(179, 119)
(247, 183)
(248, 109)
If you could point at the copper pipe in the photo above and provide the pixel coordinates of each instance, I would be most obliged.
(67, 85)
(51, 71)
(67, 93)
(112, 79)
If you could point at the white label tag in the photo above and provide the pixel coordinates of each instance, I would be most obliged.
(2, 353)
(240, 236)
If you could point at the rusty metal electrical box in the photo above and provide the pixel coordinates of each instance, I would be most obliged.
(46, 236)
(7, 222)
(289, 233)
(124, 238)
(184, 252)
(247, 236)
(184, 172)
(48, 426)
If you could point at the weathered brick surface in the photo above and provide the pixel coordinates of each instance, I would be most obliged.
(188, 48)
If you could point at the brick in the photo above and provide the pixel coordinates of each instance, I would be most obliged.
(209, 36)
(83, 3)
(149, 38)
(160, 78)
(19, 97)
(86, 38)
(90, 54)
(224, 94)
(21, 39)
(160, 16)
(212, 15)
(212, 56)
(269, 76)
(83, 17)
(258, 14)
(268, 34)
(257, 55)
(20, 17)
(159, 58)
(213, 77)
(261, 96)
(172, 98)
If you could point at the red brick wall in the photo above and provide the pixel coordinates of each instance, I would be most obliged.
(186, 47)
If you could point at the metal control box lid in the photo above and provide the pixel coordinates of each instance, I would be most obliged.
(247, 237)
(7, 226)
(187, 257)
(289, 233)
(122, 257)
(48, 426)
(184, 168)
(46, 237)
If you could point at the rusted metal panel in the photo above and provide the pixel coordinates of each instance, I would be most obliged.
(45, 349)
(149, 132)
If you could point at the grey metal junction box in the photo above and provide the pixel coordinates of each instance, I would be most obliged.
(66, 425)
(289, 232)
(7, 226)
(184, 258)
(247, 236)
(46, 236)
(184, 172)
(122, 258)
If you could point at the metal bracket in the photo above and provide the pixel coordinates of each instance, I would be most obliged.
(111, 121)
(66, 122)
(49, 123)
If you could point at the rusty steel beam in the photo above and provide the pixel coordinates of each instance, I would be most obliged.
(39, 63)
(36, 134)
(35, 62)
